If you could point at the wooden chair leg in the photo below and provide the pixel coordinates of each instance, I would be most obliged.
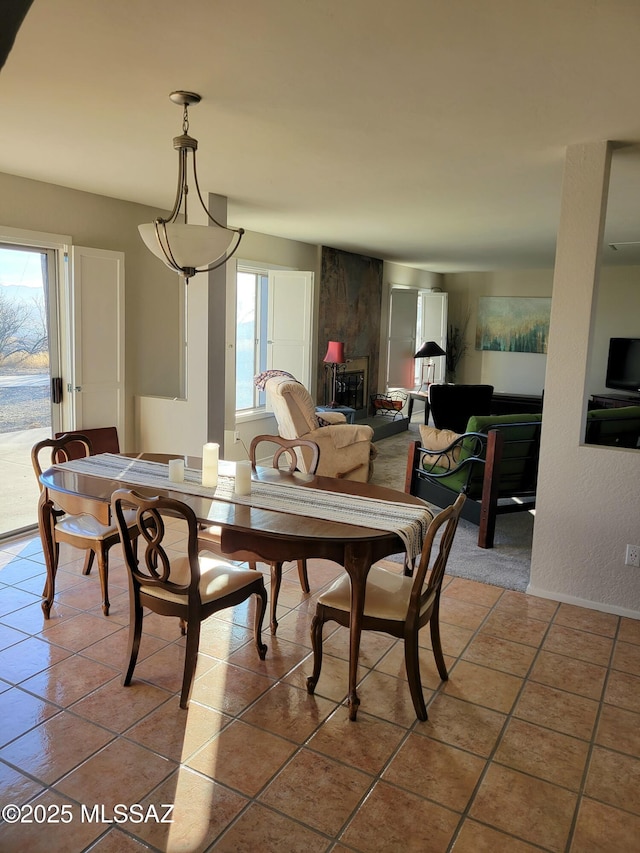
(412, 663)
(276, 580)
(434, 626)
(190, 660)
(257, 625)
(304, 577)
(88, 561)
(135, 633)
(183, 626)
(103, 569)
(408, 566)
(316, 641)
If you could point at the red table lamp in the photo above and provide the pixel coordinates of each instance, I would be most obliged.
(334, 357)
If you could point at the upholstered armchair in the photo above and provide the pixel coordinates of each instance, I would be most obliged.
(346, 450)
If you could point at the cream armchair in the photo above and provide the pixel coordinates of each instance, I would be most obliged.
(346, 450)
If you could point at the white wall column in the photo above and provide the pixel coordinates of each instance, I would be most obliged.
(217, 349)
(587, 504)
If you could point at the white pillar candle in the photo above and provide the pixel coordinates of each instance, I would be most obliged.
(176, 470)
(210, 457)
(243, 478)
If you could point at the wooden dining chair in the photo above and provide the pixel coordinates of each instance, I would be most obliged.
(397, 605)
(191, 585)
(102, 440)
(286, 452)
(82, 531)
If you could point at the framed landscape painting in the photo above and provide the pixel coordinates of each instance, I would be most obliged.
(513, 323)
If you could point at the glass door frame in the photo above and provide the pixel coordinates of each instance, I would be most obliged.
(55, 247)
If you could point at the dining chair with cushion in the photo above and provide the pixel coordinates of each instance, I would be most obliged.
(287, 450)
(172, 581)
(81, 531)
(396, 604)
(102, 440)
(453, 405)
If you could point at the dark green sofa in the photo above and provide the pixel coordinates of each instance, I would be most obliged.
(614, 427)
(495, 463)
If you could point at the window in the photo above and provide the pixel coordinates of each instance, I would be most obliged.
(273, 329)
(251, 337)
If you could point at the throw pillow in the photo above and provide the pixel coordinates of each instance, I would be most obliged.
(439, 439)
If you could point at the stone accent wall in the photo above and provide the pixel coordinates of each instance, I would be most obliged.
(349, 310)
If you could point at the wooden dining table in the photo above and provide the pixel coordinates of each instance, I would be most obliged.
(247, 531)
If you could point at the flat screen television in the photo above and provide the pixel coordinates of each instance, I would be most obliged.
(623, 366)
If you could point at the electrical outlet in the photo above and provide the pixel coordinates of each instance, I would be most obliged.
(236, 437)
(633, 556)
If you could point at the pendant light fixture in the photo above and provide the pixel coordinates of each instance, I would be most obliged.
(189, 249)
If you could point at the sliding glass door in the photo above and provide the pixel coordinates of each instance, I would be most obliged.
(28, 360)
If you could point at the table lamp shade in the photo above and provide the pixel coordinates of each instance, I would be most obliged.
(335, 353)
(429, 349)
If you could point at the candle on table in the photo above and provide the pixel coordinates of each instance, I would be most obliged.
(176, 470)
(243, 478)
(210, 457)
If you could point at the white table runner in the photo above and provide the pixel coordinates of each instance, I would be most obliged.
(408, 521)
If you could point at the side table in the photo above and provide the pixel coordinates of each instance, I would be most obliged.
(420, 395)
(347, 411)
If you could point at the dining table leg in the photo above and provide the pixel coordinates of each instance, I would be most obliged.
(49, 549)
(357, 566)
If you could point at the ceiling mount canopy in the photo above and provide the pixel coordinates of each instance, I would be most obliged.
(189, 249)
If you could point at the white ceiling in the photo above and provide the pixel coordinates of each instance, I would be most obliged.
(427, 132)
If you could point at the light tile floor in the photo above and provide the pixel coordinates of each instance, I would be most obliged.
(533, 743)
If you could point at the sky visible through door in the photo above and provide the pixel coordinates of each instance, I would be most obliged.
(25, 404)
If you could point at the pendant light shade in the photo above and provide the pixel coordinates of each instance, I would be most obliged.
(190, 246)
(189, 249)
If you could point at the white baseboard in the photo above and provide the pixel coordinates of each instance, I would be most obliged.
(583, 602)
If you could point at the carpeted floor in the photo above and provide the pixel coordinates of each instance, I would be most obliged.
(507, 564)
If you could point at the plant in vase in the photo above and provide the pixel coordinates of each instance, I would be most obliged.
(456, 347)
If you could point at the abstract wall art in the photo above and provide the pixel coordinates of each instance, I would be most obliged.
(513, 323)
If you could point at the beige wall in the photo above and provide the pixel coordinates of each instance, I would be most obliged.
(617, 314)
(152, 338)
(179, 426)
(516, 373)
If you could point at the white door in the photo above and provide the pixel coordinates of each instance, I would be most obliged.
(432, 321)
(96, 312)
(289, 323)
(402, 338)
